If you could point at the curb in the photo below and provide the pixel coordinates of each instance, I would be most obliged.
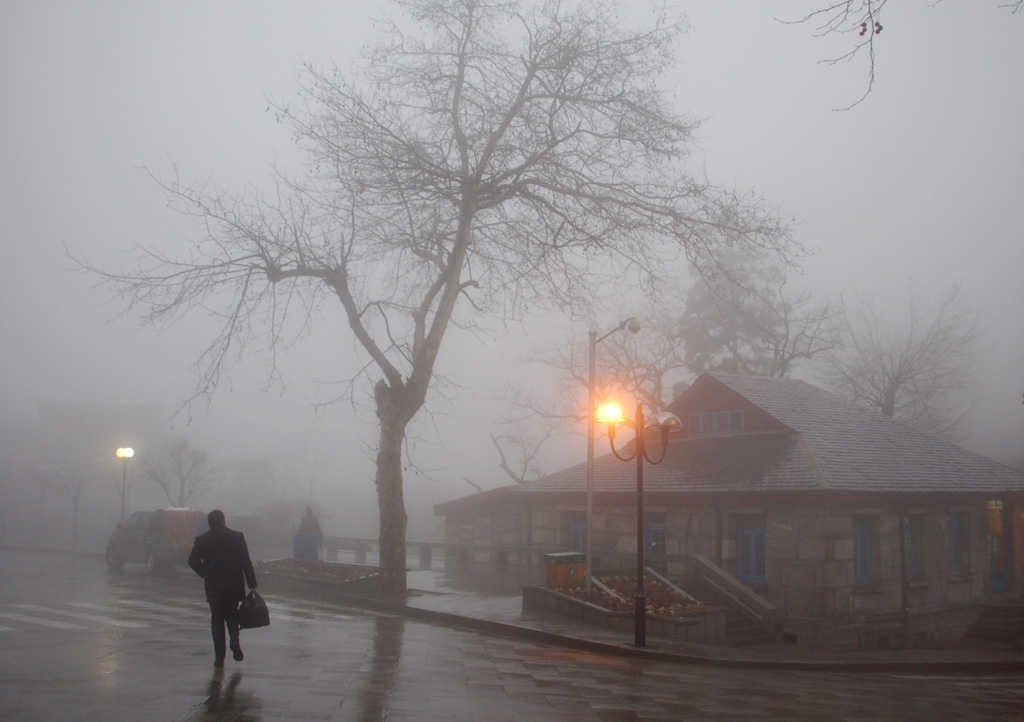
(514, 631)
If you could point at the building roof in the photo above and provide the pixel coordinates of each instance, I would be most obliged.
(824, 443)
(821, 444)
(857, 448)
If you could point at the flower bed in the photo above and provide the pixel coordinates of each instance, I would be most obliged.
(315, 569)
(316, 580)
(671, 613)
(616, 593)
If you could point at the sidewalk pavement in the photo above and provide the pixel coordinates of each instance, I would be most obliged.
(433, 598)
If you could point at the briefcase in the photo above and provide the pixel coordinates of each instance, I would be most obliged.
(253, 612)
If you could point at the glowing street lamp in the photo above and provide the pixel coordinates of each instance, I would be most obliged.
(664, 422)
(124, 453)
(631, 325)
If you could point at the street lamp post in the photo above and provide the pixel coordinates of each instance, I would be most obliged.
(633, 326)
(124, 453)
(665, 422)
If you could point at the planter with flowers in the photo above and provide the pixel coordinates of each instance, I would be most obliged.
(671, 612)
(316, 580)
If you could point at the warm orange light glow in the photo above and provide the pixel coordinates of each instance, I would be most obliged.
(125, 452)
(610, 413)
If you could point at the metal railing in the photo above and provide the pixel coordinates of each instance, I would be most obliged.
(738, 593)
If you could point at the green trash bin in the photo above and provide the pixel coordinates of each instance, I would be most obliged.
(564, 568)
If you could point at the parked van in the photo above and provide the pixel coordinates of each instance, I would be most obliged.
(164, 536)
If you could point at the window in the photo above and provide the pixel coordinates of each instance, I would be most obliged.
(716, 422)
(956, 543)
(861, 549)
(731, 422)
(577, 532)
(910, 560)
(998, 540)
(137, 521)
(750, 558)
(657, 543)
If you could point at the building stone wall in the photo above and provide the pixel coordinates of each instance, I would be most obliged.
(810, 552)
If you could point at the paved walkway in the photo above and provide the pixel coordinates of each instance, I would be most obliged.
(82, 643)
(434, 597)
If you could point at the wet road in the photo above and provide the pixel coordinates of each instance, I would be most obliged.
(81, 642)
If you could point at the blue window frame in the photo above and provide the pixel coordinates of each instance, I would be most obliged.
(577, 532)
(998, 539)
(861, 549)
(716, 422)
(751, 553)
(656, 534)
(956, 544)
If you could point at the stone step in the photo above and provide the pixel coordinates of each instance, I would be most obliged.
(740, 630)
(998, 622)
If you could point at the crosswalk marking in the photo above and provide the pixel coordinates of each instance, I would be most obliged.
(276, 614)
(38, 620)
(134, 609)
(154, 606)
(80, 615)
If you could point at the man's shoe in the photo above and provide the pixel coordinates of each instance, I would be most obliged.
(236, 652)
(218, 663)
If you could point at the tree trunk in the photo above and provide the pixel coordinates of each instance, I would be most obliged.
(390, 499)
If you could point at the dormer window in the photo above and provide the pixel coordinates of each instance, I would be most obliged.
(716, 422)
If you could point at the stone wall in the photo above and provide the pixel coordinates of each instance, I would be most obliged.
(810, 552)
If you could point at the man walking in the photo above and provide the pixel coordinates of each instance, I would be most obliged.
(221, 557)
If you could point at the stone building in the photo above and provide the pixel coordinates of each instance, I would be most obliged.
(852, 530)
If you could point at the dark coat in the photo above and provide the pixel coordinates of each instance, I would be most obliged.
(221, 558)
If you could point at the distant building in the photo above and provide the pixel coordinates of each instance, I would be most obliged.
(854, 529)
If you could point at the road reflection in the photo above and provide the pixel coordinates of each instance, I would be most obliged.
(225, 702)
(370, 694)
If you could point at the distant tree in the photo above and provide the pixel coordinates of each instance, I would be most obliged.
(519, 449)
(911, 367)
(639, 366)
(744, 317)
(862, 20)
(67, 481)
(182, 472)
(490, 157)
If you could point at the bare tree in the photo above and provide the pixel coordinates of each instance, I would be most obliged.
(519, 450)
(913, 368)
(639, 366)
(862, 20)
(498, 158)
(67, 481)
(182, 472)
(744, 317)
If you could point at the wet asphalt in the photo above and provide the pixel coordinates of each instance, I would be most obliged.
(81, 642)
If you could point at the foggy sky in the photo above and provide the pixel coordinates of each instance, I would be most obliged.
(920, 181)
